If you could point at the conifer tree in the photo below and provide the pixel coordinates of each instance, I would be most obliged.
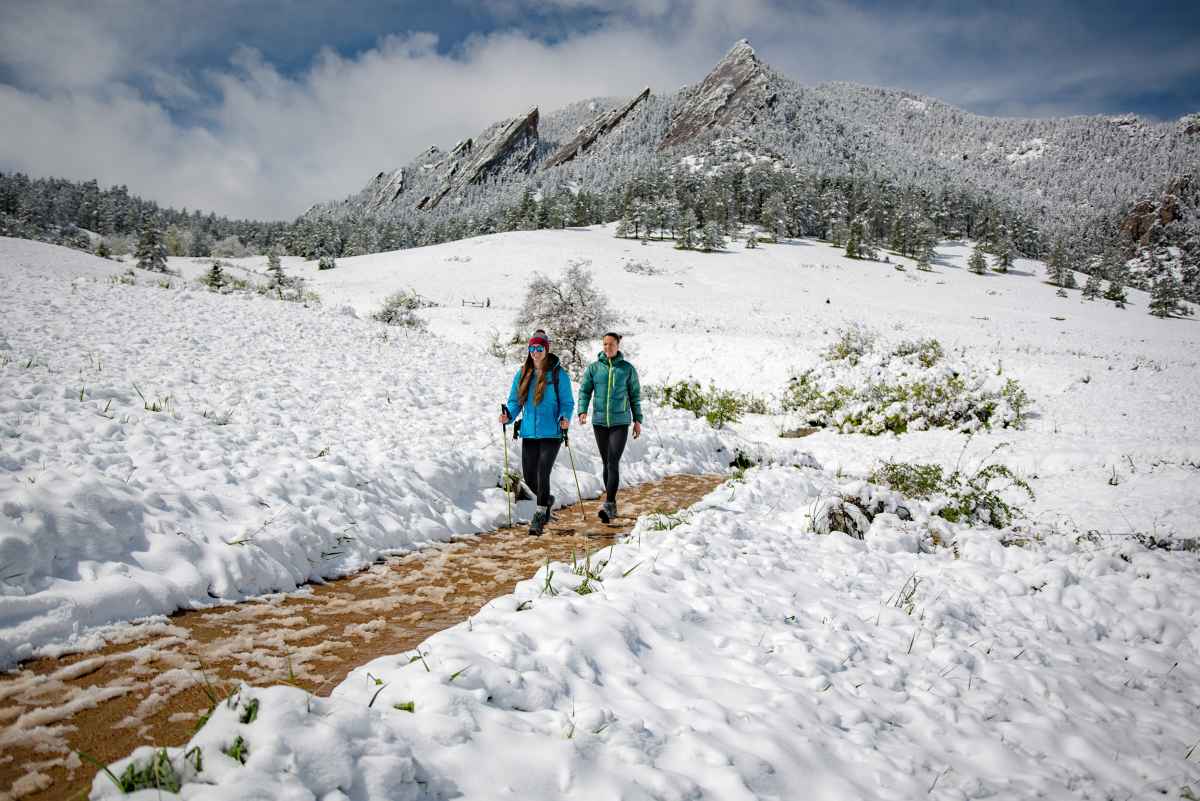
(215, 277)
(1116, 293)
(752, 239)
(711, 237)
(151, 253)
(1166, 297)
(275, 269)
(978, 262)
(103, 250)
(1091, 290)
(326, 263)
(687, 231)
(854, 239)
(1004, 255)
(624, 228)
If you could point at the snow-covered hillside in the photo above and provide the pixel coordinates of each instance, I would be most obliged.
(164, 447)
(1114, 390)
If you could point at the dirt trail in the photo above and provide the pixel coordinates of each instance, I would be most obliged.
(148, 686)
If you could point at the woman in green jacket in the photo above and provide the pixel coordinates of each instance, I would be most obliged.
(612, 383)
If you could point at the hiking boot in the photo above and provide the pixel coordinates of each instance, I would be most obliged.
(608, 511)
(538, 523)
(550, 510)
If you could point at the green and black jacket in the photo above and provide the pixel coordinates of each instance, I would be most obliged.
(616, 390)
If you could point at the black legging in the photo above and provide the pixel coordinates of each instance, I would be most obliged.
(537, 460)
(611, 442)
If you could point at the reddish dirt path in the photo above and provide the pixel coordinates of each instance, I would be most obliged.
(148, 685)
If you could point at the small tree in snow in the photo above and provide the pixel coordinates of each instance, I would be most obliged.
(1166, 297)
(215, 277)
(102, 249)
(1091, 290)
(326, 263)
(711, 237)
(400, 309)
(751, 240)
(1116, 293)
(275, 269)
(573, 310)
(1004, 255)
(151, 253)
(687, 231)
(978, 262)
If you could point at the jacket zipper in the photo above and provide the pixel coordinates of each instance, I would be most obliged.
(608, 404)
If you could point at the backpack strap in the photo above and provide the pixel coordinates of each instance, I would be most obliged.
(557, 399)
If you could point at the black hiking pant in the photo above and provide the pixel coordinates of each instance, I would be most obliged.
(537, 460)
(611, 442)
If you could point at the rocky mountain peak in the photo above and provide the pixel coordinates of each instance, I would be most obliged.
(737, 89)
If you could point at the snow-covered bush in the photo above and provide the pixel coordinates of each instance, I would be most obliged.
(641, 267)
(400, 309)
(231, 248)
(865, 387)
(959, 497)
(572, 310)
(716, 406)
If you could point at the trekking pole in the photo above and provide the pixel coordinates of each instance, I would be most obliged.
(578, 491)
(507, 478)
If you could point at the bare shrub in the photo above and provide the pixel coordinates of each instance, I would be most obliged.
(573, 310)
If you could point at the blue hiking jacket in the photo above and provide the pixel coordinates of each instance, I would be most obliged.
(540, 420)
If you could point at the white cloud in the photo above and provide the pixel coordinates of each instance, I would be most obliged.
(243, 139)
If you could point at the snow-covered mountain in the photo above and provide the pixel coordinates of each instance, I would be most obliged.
(1060, 171)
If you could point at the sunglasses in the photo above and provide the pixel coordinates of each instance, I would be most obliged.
(537, 348)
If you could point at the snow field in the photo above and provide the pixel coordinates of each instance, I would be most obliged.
(733, 654)
(291, 444)
(1113, 390)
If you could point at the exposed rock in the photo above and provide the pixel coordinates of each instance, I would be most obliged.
(593, 131)
(738, 89)
(1148, 215)
(383, 190)
(510, 145)
(838, 514)
(1190, 124)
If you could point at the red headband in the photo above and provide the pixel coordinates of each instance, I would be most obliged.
(536, 340)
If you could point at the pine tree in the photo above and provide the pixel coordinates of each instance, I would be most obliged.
(854, 239)
(1091, 290)
(752, 239)
(624, 228)
(1166, 297)
(687, 231)
(1004, 254)
(151, 254)
(1058, 268)
(326, 263)
(711, 237)
(1116, 293)
(978, 262)
(275, 269)
(215, 277)
(103, 250)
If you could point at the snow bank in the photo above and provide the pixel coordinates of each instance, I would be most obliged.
(168, 448)
(731, 653)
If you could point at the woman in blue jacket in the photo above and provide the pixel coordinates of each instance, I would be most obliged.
(541, 396)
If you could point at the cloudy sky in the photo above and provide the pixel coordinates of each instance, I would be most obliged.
(258, 108)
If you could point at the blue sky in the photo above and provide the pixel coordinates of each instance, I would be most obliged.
(261, 108)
